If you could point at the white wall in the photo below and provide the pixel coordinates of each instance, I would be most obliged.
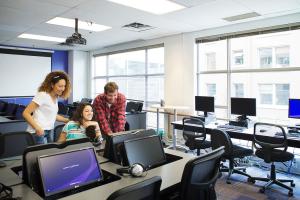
(180, 57)
(79, 73)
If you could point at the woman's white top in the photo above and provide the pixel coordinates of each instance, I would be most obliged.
(45, 114)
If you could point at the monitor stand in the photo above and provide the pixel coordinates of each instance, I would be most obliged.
(206, 118)
(241, 121)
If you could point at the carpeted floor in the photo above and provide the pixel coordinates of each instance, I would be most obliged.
(240, 189)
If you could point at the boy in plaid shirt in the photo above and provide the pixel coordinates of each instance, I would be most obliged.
(110, 109)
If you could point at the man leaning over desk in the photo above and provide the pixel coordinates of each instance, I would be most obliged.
(110, 109)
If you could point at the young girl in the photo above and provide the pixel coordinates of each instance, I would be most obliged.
(76, 128)
(44, 106)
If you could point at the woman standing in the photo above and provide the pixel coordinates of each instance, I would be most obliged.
(44, 106)
(78, 127)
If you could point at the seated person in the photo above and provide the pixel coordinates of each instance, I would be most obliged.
(81, 125)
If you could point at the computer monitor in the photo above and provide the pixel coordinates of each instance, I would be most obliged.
(114, 147)
(134, 106)
(68, 170)
(243, 106)
(294, 108)
(147, 151)
(205, 104)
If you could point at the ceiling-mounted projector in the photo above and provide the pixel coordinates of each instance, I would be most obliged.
(75, 38)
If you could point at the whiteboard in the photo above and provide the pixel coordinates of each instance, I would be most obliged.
(21, 75)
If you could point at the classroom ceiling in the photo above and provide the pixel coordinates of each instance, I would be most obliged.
(30, 16)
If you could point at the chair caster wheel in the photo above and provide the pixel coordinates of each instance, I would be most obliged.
(291, 193)
(262, 190)
(251, 180)
(293, 184)
(228, 182)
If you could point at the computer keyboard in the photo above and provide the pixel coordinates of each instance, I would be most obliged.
(227, 126)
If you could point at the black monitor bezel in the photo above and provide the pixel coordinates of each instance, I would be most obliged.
(127, 143)
(75, 186)
(289, 116)
(238, 113)
(210, 98)
(114, 145)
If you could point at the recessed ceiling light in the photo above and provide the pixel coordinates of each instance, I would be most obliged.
(84, 25)
(41, 37)
(241, 17)
(158, 7)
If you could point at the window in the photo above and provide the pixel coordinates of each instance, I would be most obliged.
(211, 89)
(282, 94)
(139, 75)
(266, 94)
(238, 57)
(211, 61)
(282, 56)
(264, 66)
(265, 57)
(238, 90)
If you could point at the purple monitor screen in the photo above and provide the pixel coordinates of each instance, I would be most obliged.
(67, 170)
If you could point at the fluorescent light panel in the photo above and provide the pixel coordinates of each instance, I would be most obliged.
(157, 7)
(41, 37)
(84, 25)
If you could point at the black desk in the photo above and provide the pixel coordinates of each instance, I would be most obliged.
(246, 134)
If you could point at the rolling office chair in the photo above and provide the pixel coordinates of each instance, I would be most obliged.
(145, 190)
(57, 131)
(19, 113)
(3, 105)
(200, 175)
(272, 150)
(221, 138)
(195, 140)
(2, 149)
(15, 143)
(10, 110)
(62, 108)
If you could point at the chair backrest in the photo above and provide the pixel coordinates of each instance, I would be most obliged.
(145, 190)
(30, 170)
(14, 143)
(191, 135)
(269, 136)
(11, 109)
(221, 138)
(62, 108)
(57, 131)
(2, 149)
(200, 175)
(3, 105)
(19, 112)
